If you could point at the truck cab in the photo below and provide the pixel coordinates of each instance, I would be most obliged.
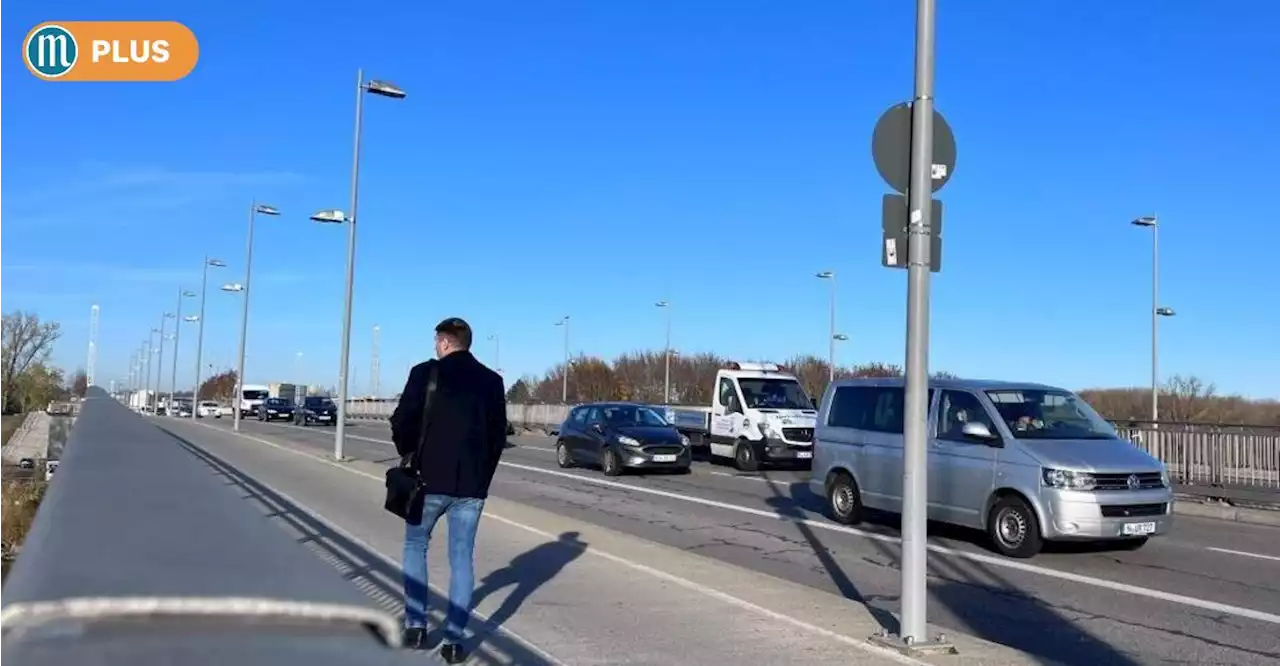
(251, 397)
(760, 413)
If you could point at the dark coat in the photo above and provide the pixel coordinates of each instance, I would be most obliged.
(467, 429)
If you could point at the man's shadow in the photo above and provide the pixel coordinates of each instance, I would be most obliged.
(528, 571)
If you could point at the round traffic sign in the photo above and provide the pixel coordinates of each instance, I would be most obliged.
(891, 148)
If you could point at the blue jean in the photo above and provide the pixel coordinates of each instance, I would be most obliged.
(464, 518)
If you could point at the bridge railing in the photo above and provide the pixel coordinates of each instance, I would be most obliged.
(1239, 459)
(141, 552)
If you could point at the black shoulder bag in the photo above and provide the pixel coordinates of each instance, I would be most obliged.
(404, 487)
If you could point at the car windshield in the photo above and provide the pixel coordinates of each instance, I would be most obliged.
(1049, 414)
(762, 393)
(319, 402)
(631, 415)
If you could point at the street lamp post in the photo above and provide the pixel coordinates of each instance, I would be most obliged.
(160, 360)
(836, 337)
(666, 374)
(382, 89)
(831, 330)
(177, 329)
(204, 294)
(255, 209)
(564, 376)
(151, 350)
(1157, 311)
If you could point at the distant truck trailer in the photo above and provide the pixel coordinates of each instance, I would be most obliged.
(284, 391)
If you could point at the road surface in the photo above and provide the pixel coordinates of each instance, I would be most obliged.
(1208, 593)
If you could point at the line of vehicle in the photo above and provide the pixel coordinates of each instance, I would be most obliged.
(993, 560)
(612, 557)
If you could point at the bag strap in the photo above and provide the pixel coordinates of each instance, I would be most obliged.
(433, 379)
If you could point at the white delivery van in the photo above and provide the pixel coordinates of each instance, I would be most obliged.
(759, 413)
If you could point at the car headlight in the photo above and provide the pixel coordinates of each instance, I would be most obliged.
(271, 411)
(628, 441)
(684, 441)
(1164, 476)
(1068, 480)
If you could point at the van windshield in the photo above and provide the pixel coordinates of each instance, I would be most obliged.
(769, 393)
(1048, 414)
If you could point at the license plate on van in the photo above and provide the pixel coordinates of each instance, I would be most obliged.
(1138, 529)
(804, 454)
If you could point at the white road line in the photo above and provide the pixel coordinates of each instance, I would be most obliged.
(993, 560)
(1243, 553)
(617, 559)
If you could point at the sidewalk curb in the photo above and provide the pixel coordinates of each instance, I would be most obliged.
(1227, 512)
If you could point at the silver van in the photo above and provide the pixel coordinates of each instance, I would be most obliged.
(1023, 462)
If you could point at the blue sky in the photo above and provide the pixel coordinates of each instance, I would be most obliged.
(591, 158)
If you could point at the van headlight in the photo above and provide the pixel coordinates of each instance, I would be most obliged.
(766, 428)
(1164, 476)
(628, 441)
(1068, 480)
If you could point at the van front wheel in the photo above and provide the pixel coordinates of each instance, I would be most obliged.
(1013, 528)
(744, 457)
(844, 500)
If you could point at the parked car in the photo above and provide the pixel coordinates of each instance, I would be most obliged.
(1024, 463)
(619, 436)
(208, 408)
(316, 409)
(276, 409)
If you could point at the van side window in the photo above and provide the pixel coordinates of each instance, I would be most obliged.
(958, 408)
(875, 408)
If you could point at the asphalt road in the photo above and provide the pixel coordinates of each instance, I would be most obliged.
(1207, 594)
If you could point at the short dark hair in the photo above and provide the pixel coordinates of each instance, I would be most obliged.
(457, 330)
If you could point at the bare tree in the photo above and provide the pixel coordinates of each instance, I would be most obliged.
(221, 386)
(26, 343)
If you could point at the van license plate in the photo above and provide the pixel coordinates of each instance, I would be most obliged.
(804, 454)
(664, 457)
(1138, 529)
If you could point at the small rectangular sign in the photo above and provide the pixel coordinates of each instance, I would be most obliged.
(894, 221)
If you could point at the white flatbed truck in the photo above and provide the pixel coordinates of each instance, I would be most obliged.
(759, 413)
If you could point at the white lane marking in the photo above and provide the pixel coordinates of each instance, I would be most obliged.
(1243, 553)
(993, 560)
(682, 582)
(522, 641)
(617, 559)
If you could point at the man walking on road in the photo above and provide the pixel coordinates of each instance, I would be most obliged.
(465, 434)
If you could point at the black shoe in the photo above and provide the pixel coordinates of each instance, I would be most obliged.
(452, 653)
(414, 638)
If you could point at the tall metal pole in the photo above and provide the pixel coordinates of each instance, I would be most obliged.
(1155, 320)
(831, 334)
(177, 332)
(133, 371)
(915, 469)
(564, 377)
(204, 292)
(244, 321)
(146, 367)
(375, 363)
(160, 363)
(92, 370)
(340, 432)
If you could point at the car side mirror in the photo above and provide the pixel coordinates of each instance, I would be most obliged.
(597, 427)
(978, 431)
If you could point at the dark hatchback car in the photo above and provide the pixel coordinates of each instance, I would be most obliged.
(617, 436)
(276, 409)
(315, 409)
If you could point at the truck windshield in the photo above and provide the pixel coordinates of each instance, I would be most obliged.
(769, 393)
(254, 394)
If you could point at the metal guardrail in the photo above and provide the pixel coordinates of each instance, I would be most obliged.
(135, 526)
(1230, 461)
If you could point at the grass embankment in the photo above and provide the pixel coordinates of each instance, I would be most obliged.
(20, 497)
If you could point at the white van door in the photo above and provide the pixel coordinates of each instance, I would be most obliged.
(726, 417)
